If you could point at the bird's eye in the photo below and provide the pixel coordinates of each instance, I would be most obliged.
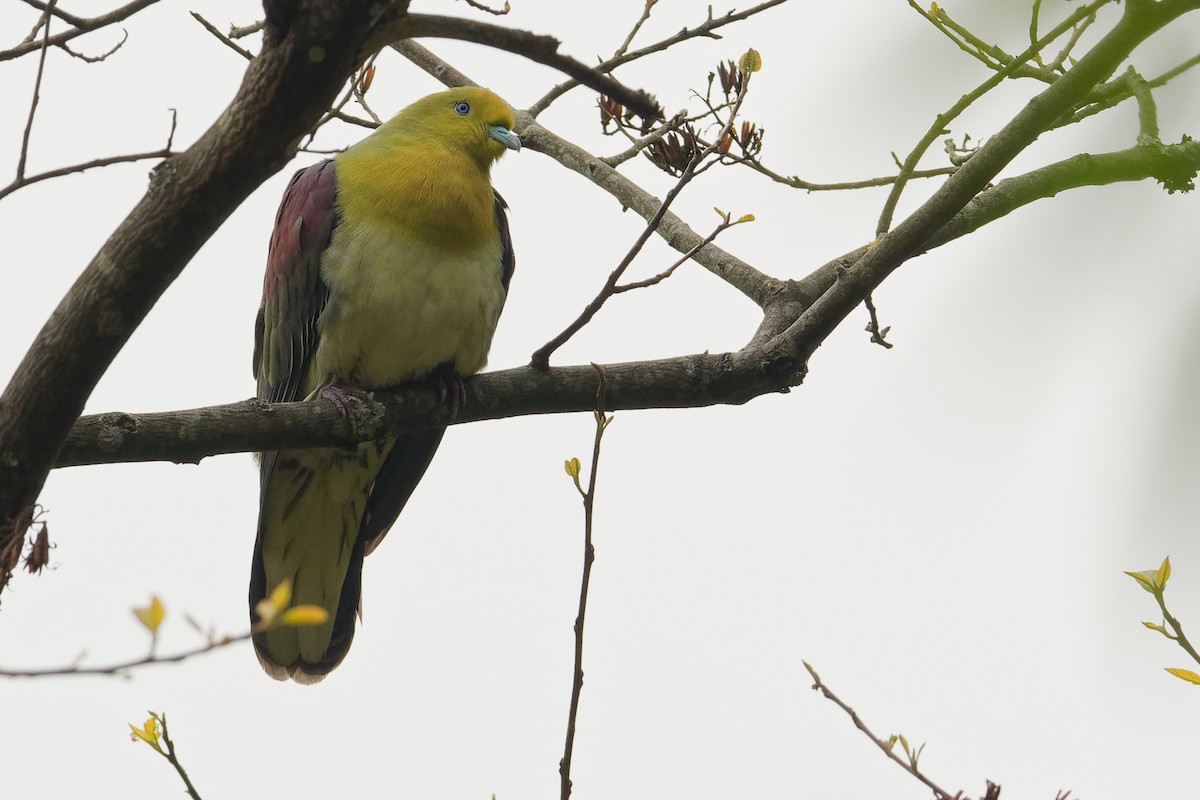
(462, 108)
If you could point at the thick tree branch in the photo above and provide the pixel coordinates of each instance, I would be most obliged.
(688, 381)
(793, 347)
(939, 126)
(536, 47)
(253, 425)
(309, 51)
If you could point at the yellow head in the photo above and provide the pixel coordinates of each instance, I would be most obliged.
(472, 119)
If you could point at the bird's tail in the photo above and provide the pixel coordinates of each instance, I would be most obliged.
(311, 510)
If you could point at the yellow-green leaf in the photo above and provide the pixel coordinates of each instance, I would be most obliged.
(572, 467)
(152, 615)
(744, 218)
(304, 615)
(1145, 578)
(269, 607)
(1154, 627)
(1164, 573)
(148, 733)
(281, 595)
(751, 61)
(1184, 674)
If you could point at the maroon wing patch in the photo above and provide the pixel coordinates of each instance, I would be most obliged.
(285, 333)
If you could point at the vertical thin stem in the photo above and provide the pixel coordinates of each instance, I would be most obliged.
(37, 88)
(589, 555)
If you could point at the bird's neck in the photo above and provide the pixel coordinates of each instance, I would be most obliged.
(434, 192)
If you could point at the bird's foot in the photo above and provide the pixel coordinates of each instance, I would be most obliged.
(450, 388)
(343, 398)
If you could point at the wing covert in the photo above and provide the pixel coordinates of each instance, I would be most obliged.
(294, 294)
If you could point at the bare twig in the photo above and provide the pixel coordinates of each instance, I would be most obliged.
(165, 152)
(725, 224)
(242, 31)
(705, 29)
(1033, 21)
(696, 165)
(121, 669)
(222, 38)
(499, 12)
(641, 144)
(37, 88)
(1059, 60)
(877, 335)
(637, 26)
(1119, 90)
(103, 56)
(82, 26)
(589, 555)
(541, 357)
(171, 757)
(53, 8)
(819, 686)
(360, 83)
(938, 128)
(797, 182)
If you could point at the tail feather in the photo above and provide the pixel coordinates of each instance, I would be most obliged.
(340, 637)
(321, 513)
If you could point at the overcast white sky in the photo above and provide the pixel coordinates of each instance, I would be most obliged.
(940, 528)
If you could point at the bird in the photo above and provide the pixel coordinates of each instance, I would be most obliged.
(389, 263)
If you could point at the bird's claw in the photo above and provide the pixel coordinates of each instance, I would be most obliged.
(343, 398)
(451, 390)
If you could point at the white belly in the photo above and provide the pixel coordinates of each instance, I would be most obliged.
(398, 308)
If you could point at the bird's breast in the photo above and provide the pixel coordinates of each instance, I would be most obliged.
(399, 307)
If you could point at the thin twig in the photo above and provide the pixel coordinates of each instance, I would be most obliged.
(1065, 53)
(704, 29)
(819, 686)
(239, 32)
(361, 82)
(589, 555)
(171, 757)
(1118, 91)
(938, 128)
(641, 144)
(686, 257)
(121, 669)
(82, 26)
(37, 88)
(65, 16)
(222, 38)
(1176, 626)
(797, 182)
(95, 59)
(637, 26)
(695, 166)
(541, 357)
(877, 335)
(166, 152)
(1033, 22)
(499, 12)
